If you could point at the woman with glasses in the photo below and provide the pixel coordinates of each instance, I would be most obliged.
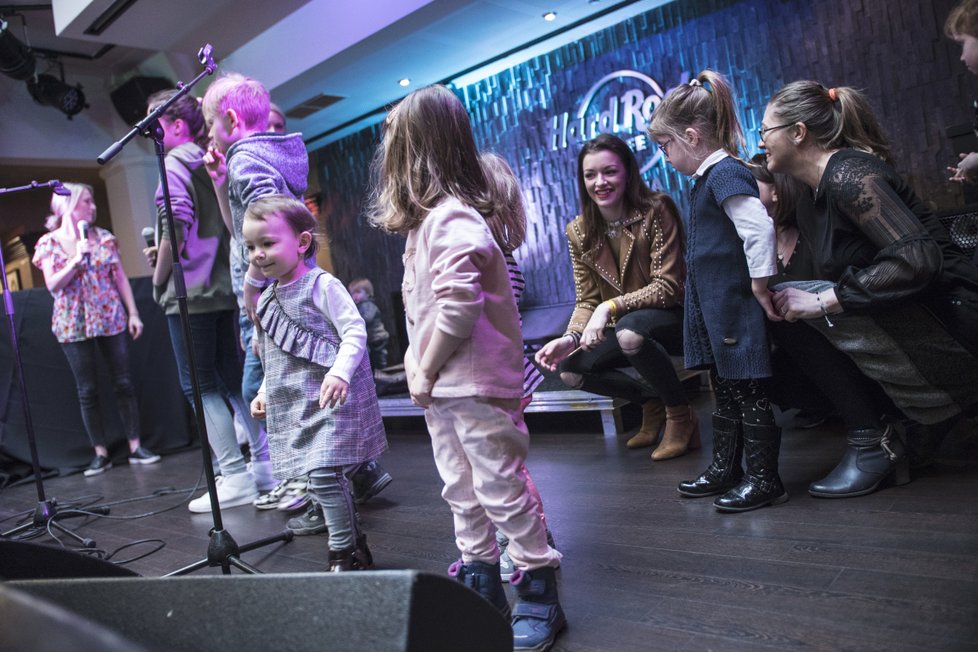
(626, 249)
(890, 326)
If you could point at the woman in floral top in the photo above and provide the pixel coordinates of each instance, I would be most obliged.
(92, 297)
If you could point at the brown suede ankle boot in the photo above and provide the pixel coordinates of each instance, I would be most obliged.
(682, 433)
(653, 417)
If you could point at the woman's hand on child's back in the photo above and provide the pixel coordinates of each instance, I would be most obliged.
(258, 406)
(333, 392)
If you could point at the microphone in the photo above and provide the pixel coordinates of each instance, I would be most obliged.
(59, 188)
(149, 235)
(83, 235)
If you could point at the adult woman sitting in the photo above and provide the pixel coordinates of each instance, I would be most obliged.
(626, 250)
(895, 306)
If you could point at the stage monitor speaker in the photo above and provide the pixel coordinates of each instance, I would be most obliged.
(20, 560)
(376, 611)
(29, 623)
(130, 98)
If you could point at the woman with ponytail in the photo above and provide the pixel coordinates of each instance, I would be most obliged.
(895, 303)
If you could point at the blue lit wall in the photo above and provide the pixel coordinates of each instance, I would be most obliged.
(894, 50)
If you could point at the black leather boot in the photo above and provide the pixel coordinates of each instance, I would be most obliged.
(762, 485)
(873, 456)
(724, 471)
(351, 559)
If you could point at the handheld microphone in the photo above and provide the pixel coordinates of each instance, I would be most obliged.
(149, 235)
(83, 235)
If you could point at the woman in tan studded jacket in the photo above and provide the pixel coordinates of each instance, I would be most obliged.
(626, 249)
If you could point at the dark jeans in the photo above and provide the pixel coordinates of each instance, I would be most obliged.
(215, 351)
(81, 358)
(219, 376)
(663, 333)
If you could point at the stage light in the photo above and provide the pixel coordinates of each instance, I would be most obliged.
(404, 82)
(550, 16)
(51, 91)
(16, 59)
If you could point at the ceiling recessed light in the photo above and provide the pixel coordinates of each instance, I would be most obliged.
(550, 16)
(404, 82)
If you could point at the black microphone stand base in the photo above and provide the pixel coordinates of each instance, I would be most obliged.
(223, 551)
(43, 522)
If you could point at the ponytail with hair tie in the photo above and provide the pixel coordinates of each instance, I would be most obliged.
(833, 95)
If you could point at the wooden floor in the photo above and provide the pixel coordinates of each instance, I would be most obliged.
(643, 569)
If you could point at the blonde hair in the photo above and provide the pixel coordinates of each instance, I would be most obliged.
(361, 284)
(845, 121)
(508, 221)
(247, 96)
(62, 205)
(428, 153)
(705, 104)
(963, 20)
(294, 212)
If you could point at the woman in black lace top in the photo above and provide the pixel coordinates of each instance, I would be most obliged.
(894, 305)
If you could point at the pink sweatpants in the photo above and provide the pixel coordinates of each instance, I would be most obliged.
(480, 445)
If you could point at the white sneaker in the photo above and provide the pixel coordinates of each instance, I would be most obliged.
(232, 491)
(261, 471)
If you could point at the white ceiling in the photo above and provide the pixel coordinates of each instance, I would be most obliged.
(357, 49)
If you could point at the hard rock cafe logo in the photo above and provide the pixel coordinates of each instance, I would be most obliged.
(619, 103)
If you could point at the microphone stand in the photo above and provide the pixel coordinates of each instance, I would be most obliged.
(46, 510)
(222, 549)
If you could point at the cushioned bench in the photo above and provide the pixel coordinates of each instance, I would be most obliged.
(540, 325)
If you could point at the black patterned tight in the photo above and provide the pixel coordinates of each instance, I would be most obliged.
(743, 400)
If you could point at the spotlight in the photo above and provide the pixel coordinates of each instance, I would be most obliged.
(550, 16)
(404, 82)
(16, 59)
(51, 91)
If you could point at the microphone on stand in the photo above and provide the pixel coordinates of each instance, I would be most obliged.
(83, 236)
(59, 188)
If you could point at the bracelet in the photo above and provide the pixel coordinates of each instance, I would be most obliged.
(574, 336)
(256, 283)
(612, 307)
(825, 313)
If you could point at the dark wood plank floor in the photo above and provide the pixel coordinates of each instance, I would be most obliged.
(644, 569)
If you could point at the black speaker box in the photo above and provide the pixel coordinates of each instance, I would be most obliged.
(130, 98)
(20, 560)
(379, 611)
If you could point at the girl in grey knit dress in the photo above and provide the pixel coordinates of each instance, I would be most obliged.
(318, 396)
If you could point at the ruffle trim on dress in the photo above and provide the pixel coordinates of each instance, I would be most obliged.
(292, 337)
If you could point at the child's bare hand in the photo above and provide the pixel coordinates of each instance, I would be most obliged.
(759, 287)
(420, 387)
(258, 406)
(216, 166)
(333, 392)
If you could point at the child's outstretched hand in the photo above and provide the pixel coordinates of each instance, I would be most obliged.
(966, 171)
(333, 392)
(258, 406)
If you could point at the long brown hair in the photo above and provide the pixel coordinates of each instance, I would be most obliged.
(787, 188)
(706, 104)
(186, 108)
(428, 153)
(637, 197)
(508, 222)
(845, 121)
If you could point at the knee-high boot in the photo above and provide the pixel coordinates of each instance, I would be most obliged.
(762, 484)
(873, 456)
(725, 470)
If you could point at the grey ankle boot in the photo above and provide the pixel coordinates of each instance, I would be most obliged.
(874, 454)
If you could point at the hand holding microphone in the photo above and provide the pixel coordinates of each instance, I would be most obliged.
(83, 246)
(151, 250)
